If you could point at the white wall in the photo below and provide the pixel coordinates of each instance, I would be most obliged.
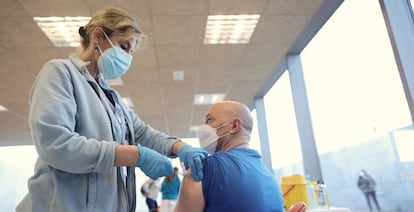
(16, 167)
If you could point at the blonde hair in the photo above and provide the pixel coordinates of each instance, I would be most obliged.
(113, 21)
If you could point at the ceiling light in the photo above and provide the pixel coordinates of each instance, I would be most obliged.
(208, 99)
(62, 31)
(178, 75)
(193, 128)
(192, 141)
(128, 102)
(233, 29)
(3, 109)
(115, 82)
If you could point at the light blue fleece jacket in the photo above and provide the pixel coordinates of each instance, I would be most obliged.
(75, 138)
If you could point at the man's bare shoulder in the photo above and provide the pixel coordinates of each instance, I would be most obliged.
(191, 195)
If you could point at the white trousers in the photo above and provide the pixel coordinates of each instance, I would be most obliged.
(167, 205)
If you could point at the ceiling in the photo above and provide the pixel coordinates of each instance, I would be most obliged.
(175, 29)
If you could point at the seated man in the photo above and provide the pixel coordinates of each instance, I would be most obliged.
(235, 177)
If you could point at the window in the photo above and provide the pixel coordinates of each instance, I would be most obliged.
(357, 102)
(282, 130)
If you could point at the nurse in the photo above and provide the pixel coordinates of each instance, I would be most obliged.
(88, 141)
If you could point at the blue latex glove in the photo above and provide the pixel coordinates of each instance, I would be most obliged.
(153, 164)
(193, 158)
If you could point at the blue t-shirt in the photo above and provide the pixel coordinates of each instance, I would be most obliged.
(170, 190)
(237, 180)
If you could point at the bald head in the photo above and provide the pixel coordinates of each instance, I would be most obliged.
(232, 109)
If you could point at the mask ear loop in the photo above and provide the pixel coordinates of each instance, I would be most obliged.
(109, 40)
(98, 49)
(228, 133)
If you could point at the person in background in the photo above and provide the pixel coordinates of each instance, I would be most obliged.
(88, 141)
(367, 185)
(150, 189)
(235, 177)
(170, 188)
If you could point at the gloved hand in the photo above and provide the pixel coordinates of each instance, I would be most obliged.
(193, 158)
(153, 164)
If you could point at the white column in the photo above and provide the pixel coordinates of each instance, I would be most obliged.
(400, 24)
(263, 135)
(310, 156)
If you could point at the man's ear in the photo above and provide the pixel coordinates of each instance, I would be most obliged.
(236, 126)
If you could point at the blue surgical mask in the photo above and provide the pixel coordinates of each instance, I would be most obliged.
(113, 62)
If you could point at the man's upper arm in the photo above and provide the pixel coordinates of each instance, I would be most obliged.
(191, 195)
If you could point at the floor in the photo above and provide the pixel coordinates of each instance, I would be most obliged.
(366, 210)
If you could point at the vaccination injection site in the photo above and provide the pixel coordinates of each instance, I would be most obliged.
(207, 105)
